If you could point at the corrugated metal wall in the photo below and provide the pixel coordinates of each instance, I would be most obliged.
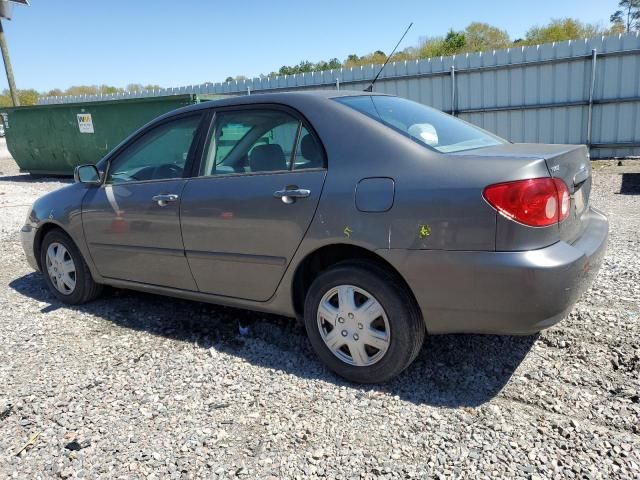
(538, 94)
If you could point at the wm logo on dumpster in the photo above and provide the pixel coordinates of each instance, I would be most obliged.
(85, 123)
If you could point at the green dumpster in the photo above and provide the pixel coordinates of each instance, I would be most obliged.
(53, 139)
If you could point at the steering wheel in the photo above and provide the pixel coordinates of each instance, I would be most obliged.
(168, 170)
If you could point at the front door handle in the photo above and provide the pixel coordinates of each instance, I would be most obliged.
(164, 199)
(289, 196)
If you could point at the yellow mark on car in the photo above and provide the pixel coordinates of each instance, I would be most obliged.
(425, 231)
(347, 232)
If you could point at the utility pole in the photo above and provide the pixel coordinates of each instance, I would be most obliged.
(6, 6)
(8, 68)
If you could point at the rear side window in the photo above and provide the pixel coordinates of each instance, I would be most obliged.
(262, 140)
(426, 125)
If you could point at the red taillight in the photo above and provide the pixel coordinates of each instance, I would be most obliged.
(537, 202)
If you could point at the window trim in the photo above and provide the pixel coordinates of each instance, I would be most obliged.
(191, 155)
(302, 122)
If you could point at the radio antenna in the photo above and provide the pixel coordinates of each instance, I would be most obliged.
(370, 87)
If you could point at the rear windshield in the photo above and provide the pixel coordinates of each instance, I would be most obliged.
(426, 125)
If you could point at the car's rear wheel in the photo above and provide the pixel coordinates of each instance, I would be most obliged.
(66, 273)
(362, 322)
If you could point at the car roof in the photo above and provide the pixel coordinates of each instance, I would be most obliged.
(283, 97)
(290, 98)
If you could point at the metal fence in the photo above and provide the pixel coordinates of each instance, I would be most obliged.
(585, 91)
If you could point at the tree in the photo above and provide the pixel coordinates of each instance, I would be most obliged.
(452, 44)
(81, 90)
(352, 60)
(482, 36)
(134, 87)
(5, 99)
(561, 29)
(431, 47)
(334, 64)
(28, 97)
(108, 90)
(628, 16)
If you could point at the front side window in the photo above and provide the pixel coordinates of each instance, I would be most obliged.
(159, 154)
(426, 125)
(253, 141)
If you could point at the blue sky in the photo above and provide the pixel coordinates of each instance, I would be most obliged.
(59, 43)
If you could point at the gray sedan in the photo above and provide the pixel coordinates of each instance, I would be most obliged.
(372, 218)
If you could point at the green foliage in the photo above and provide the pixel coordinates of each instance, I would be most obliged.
(31, 96)
(81, 90)
(480, 37)
(134, 87)
(108, 90)
(628, 17)
(237, 78)
(476, 37)
(561, 29)
(306, 66)
(25, 97)
(5, 99)
(28, 97)
(452, 44)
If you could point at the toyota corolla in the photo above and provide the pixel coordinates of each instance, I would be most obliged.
(374, 219)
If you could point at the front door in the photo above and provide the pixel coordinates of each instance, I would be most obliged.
(132, 222)
(246, 213)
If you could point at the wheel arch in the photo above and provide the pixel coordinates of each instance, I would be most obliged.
(41, 231)
(325, 257)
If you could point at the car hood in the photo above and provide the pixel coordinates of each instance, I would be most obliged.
(59, 205)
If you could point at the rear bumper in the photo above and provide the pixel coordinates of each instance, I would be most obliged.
(514, 293)
(27, 237)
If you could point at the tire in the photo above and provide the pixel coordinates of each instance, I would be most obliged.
(397, 333)
(85, 289)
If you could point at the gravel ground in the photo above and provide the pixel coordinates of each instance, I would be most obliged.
(139, 386)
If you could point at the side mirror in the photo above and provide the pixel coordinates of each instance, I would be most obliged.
(86, 174)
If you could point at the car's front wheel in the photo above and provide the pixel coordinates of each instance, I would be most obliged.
(362, 322)
(66, 273)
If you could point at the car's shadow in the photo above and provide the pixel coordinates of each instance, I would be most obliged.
(28, 178)
(630, 184)
(451, 370)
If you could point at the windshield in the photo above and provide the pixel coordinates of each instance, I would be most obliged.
(426, 125)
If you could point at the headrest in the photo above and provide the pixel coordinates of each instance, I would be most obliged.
(266, 158)
(311, 151)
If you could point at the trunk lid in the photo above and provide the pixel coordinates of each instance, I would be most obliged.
(574, 167)
(571, 163)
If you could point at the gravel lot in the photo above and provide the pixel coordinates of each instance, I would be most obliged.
(139, 386)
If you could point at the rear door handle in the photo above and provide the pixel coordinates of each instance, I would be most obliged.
(289, 196)
(165, 199)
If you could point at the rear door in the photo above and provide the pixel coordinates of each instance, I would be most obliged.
(132, 222)
(255, 194)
